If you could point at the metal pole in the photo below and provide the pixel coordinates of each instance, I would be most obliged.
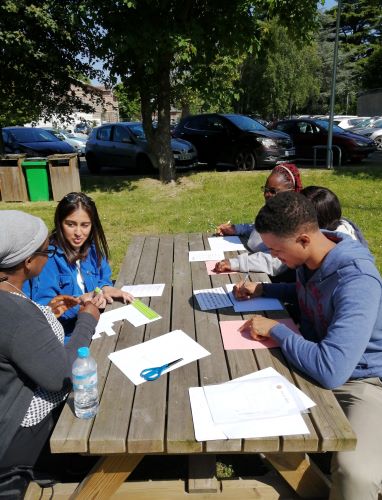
(329, 151)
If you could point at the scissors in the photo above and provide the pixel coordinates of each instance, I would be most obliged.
(155, 372)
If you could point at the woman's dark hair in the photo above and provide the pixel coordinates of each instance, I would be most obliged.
(327, 205)
(291, 175)
(69, 204)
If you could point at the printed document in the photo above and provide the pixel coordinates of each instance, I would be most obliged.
(212, 298)
(256, 304)
(289, 423)
(203, 255)
(137, 313)
(150, 290)
(225, 243)
(157, 352)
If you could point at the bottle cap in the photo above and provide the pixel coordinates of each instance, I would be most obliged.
(83, 352)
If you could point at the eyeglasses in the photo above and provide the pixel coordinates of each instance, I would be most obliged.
(50, 252)
(273, 191)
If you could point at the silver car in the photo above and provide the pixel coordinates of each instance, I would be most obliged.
(124, 145)
(77, 142)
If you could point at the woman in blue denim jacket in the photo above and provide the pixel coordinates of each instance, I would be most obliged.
(80, 266)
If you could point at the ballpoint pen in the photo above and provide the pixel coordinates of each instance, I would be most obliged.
(246, 266)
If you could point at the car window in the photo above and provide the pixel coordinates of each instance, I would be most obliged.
(216, 124)
(31, 135)
(137, 130)
(325, 125)
(197, 123)
(306, 128)
(245, 123)
(121, 134)
(377, 124)
(285, 127)
(104, 133)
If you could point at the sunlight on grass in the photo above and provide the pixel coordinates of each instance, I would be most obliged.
(200, 201)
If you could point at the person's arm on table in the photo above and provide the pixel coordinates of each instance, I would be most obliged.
(260, 262)
(44, 359)
(332, 360)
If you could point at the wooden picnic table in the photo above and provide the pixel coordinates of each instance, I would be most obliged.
(155, 417)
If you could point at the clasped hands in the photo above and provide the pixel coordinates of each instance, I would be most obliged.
(61, 303)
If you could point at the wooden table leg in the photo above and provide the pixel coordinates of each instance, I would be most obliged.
(106, 476)
(300, 473)
(202, 474)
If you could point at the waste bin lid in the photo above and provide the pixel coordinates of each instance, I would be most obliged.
(34, 162)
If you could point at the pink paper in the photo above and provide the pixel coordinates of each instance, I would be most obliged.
(233, 339)
(210, 264)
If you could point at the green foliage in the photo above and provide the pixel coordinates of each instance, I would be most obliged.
(372, 74)
(360, 31)
(281, 77)
(129, 103)
(40, 47)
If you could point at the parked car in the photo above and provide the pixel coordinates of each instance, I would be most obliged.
(348, 123)
(76, 141)
(307, 133)
(33, 141)
(125, 145)
(234, 139)
(374, 132)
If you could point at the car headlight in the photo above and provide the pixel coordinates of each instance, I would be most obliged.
(362, 143)
(265, 141)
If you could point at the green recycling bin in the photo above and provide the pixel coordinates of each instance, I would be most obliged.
(37, 178)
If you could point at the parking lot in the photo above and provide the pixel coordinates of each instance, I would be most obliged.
(374, 160)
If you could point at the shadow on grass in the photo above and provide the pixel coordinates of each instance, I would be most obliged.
(361, 172)
(108, 184)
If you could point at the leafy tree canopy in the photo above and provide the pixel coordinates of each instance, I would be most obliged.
(42, 54)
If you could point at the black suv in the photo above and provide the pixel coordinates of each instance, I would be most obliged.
(234, 139)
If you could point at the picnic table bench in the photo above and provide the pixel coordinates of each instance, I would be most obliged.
(155, 418)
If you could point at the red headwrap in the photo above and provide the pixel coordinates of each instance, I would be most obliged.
(290, 173)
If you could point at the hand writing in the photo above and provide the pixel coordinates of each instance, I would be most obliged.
(247, 290)
(258, 327)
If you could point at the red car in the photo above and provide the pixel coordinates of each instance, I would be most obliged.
(308, 132)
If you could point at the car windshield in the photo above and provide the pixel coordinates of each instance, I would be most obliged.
(325, 124)
(377, 124)
(245, 123)
(32, 135)
(137, 131)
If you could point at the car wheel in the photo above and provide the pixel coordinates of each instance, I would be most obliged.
(378, 142)
(144, 164)
(92, 165)
(245, 160)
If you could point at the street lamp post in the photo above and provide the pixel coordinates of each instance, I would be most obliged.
(329, 150)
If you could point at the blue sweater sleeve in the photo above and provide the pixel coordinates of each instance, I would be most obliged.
(285, 292)
(332, 360)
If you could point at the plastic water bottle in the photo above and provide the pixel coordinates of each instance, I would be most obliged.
(84, 377)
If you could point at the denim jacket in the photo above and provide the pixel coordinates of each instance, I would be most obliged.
(58, 277)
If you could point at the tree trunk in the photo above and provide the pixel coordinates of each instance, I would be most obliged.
(159, 139)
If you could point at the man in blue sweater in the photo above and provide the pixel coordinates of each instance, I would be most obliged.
(339, 294)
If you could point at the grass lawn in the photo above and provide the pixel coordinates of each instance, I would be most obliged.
(201, 200)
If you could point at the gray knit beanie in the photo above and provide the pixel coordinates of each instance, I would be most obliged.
(21, 234)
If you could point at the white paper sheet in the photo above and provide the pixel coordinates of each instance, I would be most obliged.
(212, 298)
(206, 429)
(129, 312)
(156, 352)
(225, 243)
(204, 255)
(150, 290)
(256, 304)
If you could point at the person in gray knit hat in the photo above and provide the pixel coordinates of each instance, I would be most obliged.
(35, 365)
(21, 234)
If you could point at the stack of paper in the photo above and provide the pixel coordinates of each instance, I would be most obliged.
(260, 404)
